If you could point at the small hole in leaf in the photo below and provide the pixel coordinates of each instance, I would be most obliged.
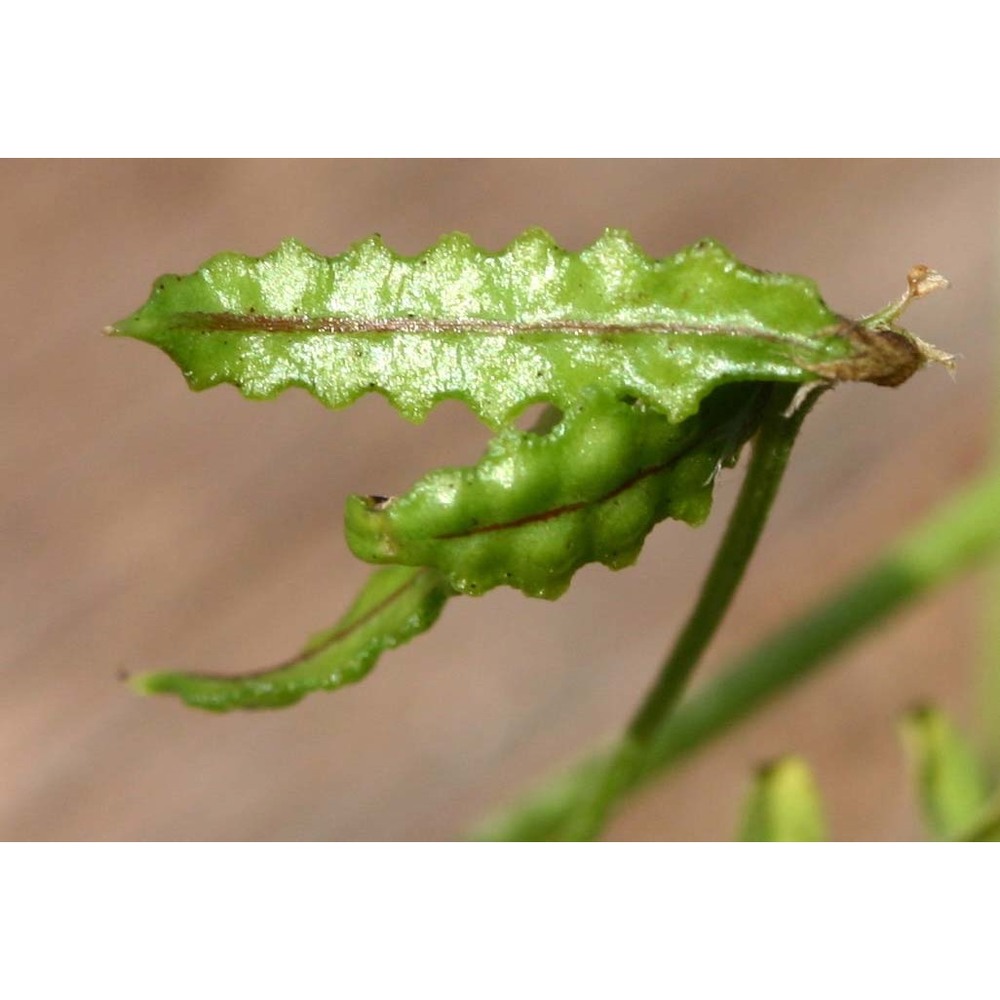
(538, 418)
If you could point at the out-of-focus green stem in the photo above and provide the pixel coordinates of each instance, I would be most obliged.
(961, 533)
(989, 674)
(987, 827)
(988, 698)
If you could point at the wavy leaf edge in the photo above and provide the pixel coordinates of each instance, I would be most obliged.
(516, 301)
(249, 299)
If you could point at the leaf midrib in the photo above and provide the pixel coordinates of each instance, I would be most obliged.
(257, 323)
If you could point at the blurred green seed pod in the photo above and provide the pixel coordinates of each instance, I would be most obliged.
(784, 804)
(949, 779)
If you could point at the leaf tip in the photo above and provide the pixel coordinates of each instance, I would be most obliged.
(122, 328)
(147, 683)
(131, 326)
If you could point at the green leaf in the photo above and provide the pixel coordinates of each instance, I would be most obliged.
(784, 804)
(539, 506)
(656, 366)
(396, 604)
(502, 330)
(950, 780)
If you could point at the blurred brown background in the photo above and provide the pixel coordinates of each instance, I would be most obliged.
(146, 526)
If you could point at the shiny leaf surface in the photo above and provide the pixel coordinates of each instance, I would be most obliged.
(540, 506)
(502, 330)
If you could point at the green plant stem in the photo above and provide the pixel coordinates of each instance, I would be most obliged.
(960, 534)
(987, 827)
(771, 449)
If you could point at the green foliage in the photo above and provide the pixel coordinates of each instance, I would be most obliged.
(784, 804)
(533, 323)
(396, 604)
(656, 372)
(659, 369)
